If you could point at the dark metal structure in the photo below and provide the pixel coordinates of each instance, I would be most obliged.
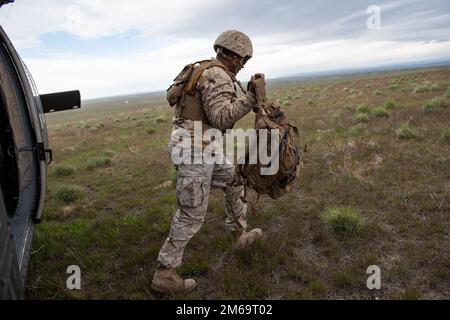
(3, 2)
(24, 157)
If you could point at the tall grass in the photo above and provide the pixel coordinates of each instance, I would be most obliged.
(390, 104)
(344, 220)
(405, 132)
(62, 170)
(68, 194)
(446, 135)
(380, 112)
(436, 103)
(97, 162)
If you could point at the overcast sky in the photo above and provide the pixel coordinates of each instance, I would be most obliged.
(126, 46)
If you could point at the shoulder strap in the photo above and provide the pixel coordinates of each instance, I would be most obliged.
(197, 73)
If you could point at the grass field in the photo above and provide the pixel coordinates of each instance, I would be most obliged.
(374, 190)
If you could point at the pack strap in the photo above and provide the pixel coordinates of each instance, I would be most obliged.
(197, 73)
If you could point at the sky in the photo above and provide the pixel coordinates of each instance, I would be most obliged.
(114, 47)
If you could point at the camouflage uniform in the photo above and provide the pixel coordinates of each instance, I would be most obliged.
(223, 109)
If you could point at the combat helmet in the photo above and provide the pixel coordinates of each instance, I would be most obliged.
(235, 41)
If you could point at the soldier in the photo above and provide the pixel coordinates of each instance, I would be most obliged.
(215, 103)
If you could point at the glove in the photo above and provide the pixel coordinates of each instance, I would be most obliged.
(251, 85)
(252, 88)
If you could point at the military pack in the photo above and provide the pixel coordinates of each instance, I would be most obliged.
(269, 116)
(182, 92)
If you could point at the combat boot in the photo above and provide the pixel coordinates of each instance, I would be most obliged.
(166, 280)
(244, 238)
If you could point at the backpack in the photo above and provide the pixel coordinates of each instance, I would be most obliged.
(269, 116)
(184, 95)
(185, 81)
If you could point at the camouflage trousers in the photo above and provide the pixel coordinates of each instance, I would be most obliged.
(193, 187)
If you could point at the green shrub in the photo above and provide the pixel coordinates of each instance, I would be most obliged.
(99, 125)
(61, 170)
(434, 87)
(174, 176)
(286, 103)
(335, 115)
(393, 86)
(446, 135)
(377, 93)
(362, 117)
(108, 152)
(160, 119)
(194, 269)
(395, 81)
(318, 287)
(355, 130)
(83, 125)
(344, 279)
(68, 194)
(429, 108)
(349, 108)
(447, 93)
(97, 162)
(411, 294)
(435, 103)
(310, 102)
(380, 112)
(390, 104)
(150, 130)
(362, 108)
(421, 89)
(344, 220)
(406, 132)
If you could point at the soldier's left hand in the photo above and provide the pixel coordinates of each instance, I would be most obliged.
(251, 85)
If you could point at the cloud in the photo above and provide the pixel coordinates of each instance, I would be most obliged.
(30, 20)
(319, 20)
(148, 72)
(121, 46)
(104, 76)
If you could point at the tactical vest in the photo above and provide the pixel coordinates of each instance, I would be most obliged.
(184, 95)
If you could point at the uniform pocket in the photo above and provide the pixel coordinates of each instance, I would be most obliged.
(190, 191)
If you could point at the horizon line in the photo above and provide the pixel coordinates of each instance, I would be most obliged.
(420, 64)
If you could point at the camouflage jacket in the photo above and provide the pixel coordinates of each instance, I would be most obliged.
(220, 103)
